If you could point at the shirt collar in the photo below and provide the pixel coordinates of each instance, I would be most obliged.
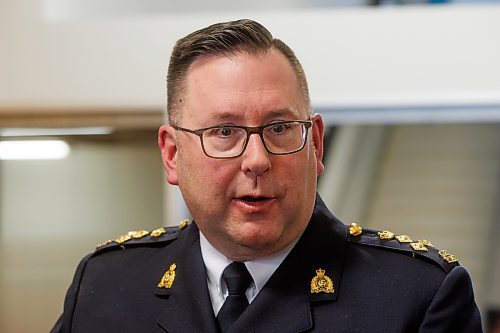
(215, 262)
(260, 269)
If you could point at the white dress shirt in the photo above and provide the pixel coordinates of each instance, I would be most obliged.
(260, 270)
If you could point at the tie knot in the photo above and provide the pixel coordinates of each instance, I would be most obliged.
(237, 278)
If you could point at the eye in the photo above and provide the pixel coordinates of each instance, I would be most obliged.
(280, 128)
(225, 131)
(220, 132)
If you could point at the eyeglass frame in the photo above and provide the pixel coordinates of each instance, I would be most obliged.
(249, 130)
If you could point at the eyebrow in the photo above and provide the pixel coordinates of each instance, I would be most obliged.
(281, 112)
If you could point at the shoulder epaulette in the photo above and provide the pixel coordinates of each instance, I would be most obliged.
(421, 248)
(140, 237)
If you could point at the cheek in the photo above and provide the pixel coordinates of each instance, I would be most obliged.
(207, 176)
(299, 180)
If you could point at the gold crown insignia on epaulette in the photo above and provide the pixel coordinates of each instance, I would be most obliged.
(138, 234)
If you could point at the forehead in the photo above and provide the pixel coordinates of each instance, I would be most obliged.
(242, 85)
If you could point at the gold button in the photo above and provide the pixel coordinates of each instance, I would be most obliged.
(183, 224)
(355, 229)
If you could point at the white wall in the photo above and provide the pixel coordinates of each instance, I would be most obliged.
(353, 57)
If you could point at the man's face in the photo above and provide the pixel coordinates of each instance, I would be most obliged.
(256, 204)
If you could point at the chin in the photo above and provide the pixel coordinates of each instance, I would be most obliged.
(258, 238)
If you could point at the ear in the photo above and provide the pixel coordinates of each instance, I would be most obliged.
(318, 129)
(168, 148)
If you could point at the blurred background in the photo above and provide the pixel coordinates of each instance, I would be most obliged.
(410, 91)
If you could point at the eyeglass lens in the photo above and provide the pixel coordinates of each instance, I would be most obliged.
(228, 141)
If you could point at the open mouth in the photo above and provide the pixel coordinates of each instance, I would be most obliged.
(253, 199)
(250, 204)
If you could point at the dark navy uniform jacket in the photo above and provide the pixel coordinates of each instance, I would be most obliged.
(372, 285)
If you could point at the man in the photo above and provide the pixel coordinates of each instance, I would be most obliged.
(263, 253)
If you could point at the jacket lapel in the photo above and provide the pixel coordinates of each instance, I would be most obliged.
(287, 299)
(187, 302)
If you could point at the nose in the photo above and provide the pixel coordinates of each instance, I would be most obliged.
(256, 160)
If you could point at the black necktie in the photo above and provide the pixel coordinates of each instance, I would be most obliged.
(238, 280)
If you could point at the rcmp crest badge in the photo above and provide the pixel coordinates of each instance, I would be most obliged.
(321, 283)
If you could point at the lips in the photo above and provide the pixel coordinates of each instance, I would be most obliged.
(249, 198)
(254, 203)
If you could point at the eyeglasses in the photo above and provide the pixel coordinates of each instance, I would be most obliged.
(230, 141)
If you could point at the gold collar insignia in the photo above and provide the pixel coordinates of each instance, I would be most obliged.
(321, 283)
(168, 278)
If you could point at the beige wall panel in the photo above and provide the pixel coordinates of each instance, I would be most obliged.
(52, 213)
(442, 183)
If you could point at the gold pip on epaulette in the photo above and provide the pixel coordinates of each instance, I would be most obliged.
(389, 240)
(139, 236)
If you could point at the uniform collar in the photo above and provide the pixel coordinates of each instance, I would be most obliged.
(260, 270)
(287, 292)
